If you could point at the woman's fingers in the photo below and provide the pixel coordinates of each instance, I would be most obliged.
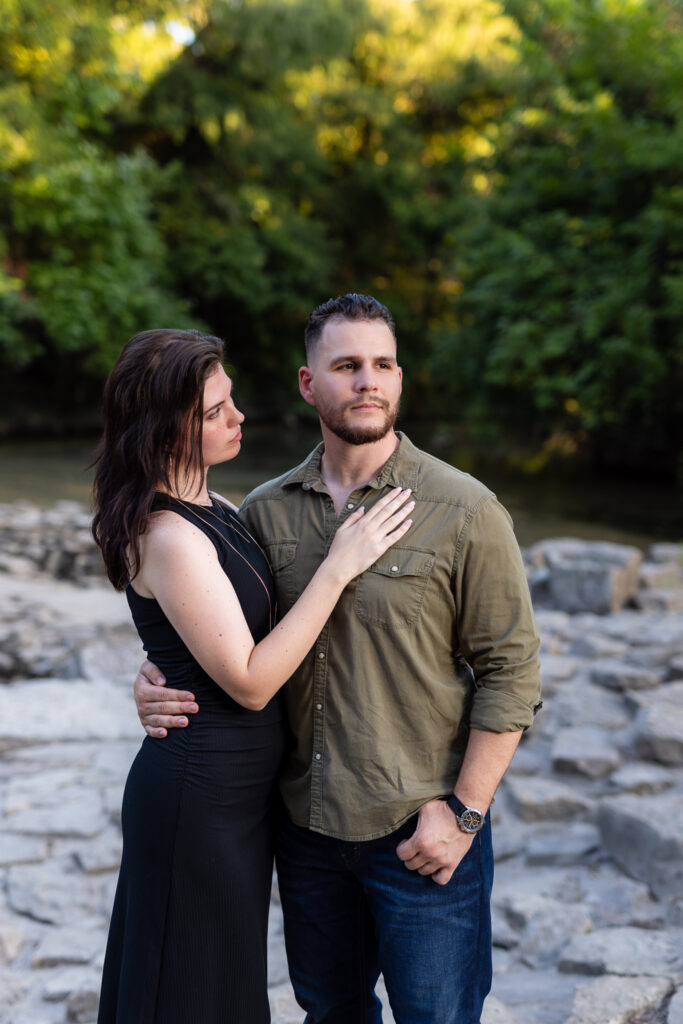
(389, 503)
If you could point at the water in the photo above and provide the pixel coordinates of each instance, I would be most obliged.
(628, 510)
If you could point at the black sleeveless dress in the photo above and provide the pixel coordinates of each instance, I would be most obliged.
(187, 940)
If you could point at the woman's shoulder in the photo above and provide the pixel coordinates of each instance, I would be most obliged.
(168, 532)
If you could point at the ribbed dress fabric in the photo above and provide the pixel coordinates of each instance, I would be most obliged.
(188, 934)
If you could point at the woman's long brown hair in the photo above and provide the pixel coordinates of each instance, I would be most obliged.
(153, 415)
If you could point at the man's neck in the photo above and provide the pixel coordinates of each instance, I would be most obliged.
(346, 467)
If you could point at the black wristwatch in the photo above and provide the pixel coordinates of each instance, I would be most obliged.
(469, 819)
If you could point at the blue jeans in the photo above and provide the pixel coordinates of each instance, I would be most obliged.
(352, 910)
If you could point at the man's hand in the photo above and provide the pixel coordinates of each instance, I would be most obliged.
(437, 845)
(160, 709)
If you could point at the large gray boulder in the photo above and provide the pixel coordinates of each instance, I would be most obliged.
(594, 576)
(644, 835)
(626, 951)
(615, 1000)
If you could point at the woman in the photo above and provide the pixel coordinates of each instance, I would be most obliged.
(187, 942)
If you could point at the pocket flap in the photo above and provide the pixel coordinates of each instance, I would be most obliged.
(404, 561)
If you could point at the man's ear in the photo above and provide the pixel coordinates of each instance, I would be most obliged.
(306, 385)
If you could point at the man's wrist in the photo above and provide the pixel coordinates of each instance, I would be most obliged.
(470, 819)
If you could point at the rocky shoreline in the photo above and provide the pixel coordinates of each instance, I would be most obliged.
(588, 897)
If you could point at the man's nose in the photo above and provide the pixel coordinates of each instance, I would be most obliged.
(365, 381)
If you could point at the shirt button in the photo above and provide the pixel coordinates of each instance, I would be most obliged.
(318, 756)
(394, 568)
(349, 504)
(318, 707)
(321, 655)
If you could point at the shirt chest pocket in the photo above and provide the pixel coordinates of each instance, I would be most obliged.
(390, 593)
(281, 556)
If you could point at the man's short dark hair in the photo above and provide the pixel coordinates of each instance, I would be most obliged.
(345, 307)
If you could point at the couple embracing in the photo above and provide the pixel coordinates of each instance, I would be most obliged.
(386, 589)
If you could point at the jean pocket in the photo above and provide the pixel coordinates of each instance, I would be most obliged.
(390, 593)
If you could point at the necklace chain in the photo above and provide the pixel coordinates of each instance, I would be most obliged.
(242, 533)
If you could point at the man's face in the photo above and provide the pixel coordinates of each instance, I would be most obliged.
(353, 380)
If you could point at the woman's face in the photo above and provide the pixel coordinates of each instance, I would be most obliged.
(221, 433)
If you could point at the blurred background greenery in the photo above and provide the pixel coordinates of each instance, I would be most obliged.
(505, 174)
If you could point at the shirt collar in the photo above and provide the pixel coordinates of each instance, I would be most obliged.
(400, 470)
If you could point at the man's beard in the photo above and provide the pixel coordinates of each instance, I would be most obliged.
(334, 421)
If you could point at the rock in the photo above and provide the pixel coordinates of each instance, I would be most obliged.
(12, 940)
(70, 945)
(597, 576)
(60, 985)
(665, 552)
(659, 576)
(611, 899)
(537, 799)
(617, 1000)
(598, 646)
(21, 849)
(626, 951)
(573, 844)
(659, 733)
(284, 1007)
(12, 987)
(675, 667)
(676, 1008)
(659, 600)
(585, 750)
(644, 835)
(495, 1012)
(584, 703)
(546, 925)
(618, 675)
(641, 777)
(52, 892)
(535, 996)
(80, 815)
(54, 709)
(103, 853)
(84, 1001)
(556, 668)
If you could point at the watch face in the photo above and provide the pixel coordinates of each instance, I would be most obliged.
(471, 820)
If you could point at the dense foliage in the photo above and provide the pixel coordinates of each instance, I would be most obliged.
(505, 175)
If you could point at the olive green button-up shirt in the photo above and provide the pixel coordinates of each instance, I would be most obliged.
(438, 635)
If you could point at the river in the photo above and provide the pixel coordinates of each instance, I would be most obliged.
(624, 509)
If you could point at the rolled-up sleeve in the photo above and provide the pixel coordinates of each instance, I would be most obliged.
(495, 621)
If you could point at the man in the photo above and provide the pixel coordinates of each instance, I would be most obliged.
(406, 713)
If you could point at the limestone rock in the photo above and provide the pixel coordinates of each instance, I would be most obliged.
(69, 945)
(573, 844)
(676, 1008)
(617, 1000)
(659, 575)
(16, 849)
(586, 750)
(51, 892)
(618, 675)
(645, 836)
(495, 1012)
(588, 575)
(46, 711)
(626, 951)
(538, 799)
(659, 733)
(666, 552)
(546, 925)
(598, 645)
(642, 777)
(660, 600)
